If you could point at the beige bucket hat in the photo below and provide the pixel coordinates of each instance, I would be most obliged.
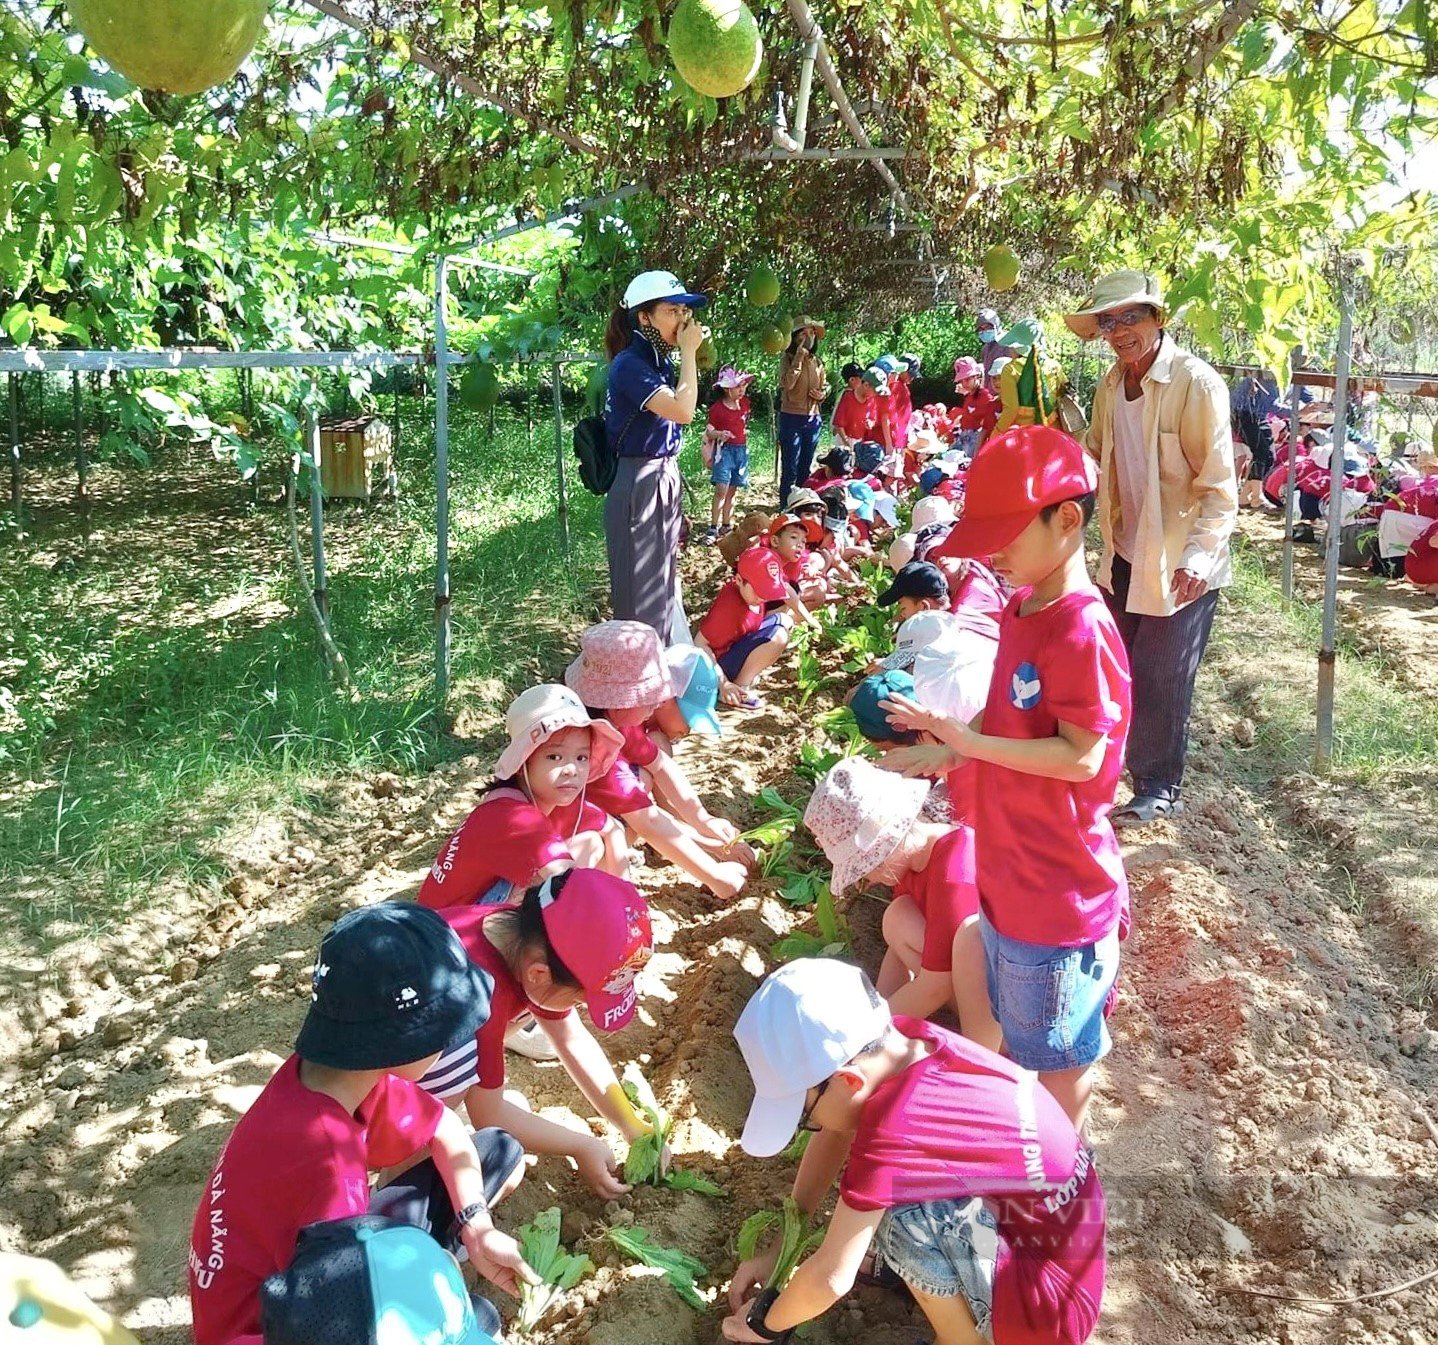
(1118, 289)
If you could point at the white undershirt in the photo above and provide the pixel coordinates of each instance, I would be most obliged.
(1130, 459)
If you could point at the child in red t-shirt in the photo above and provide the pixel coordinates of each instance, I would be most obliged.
(579, 938)
(392, 986)
(744, 640)
(538, 817)
(795, 540)
(622, 675)
(955, 1171)
(869, 826)
(726, 449)
(1049, 744)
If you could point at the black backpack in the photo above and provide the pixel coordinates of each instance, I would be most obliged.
(598, 458)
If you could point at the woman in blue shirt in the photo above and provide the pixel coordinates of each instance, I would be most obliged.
(645, 413)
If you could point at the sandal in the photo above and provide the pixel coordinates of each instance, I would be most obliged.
(1142, 809)
(879, 1274)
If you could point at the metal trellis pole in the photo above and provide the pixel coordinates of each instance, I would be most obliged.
(559, 455)
(15, 500)
(443, 635)
(317, 513)
(1327, 657)
(1295, 395)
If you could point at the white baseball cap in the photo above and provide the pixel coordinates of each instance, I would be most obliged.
(924, 630)
(649, 286)
(930, 510)
(805, 1021)
(901, 551)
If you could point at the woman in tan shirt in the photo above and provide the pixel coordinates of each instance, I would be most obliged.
(803, 385)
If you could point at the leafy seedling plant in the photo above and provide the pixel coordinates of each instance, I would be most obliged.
(797, 1238)
(834, 937)
(644, 1163)
(680, 1269)
(557, 1269)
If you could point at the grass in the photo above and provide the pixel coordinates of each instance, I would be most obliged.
(1380, 725)
(161, 696)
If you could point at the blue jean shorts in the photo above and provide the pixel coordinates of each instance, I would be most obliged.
(732, 659)
(945, 1248)
(731, 466)
(1050, 1001)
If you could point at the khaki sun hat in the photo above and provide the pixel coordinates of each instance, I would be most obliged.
(1118, 289)
(804, 320)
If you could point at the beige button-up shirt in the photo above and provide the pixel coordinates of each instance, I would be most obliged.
(802, 385)
(1190, 504)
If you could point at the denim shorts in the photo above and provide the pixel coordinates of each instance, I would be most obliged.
(732, 659)
(731, 466)
(944, 1248)
(1050, 1001)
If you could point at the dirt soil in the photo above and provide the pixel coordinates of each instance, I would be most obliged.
(1261, 1123)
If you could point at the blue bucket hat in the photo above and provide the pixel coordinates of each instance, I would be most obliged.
(368, 1279)
(696, 682)
(868, 455)
(873, 722)
(930, 480)
(862, 494)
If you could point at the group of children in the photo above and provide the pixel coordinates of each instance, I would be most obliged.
(998, 724)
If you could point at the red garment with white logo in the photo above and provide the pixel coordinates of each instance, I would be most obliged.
(1049, 867)
(945, 894)
(296, 1157)
(965, 1122)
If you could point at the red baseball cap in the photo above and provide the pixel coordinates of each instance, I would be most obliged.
(813, 529)
(1013, 476)
(759, 568)
(599, 926)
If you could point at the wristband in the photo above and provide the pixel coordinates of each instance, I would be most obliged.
(758, 1311)
(464, 1218)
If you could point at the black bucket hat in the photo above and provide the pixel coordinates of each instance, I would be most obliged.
(392, 985)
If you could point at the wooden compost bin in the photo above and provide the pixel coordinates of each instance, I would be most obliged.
(352, 453)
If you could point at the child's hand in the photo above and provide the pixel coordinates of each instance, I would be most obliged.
(737, 1326)
(721, 829)
(497, 1257)
(729, 880)
(731, 693)
(904, 713)
(926, 761)
(599, 1168)
(751, 1276)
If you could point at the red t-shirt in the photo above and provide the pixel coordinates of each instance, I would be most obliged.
(729, 619)
(859, 420)
(1421, 563)
(639, 748)
(1419, 498)
(978, 591)
(978, 411)
(722, 416)
(1049, 867)
(296, 1157)
(965, 1122)
(901, 412)
(507, 1001)
(944, 891)
(505, 838)
(620, 790)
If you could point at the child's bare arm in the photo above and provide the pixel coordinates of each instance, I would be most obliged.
(819, 1168)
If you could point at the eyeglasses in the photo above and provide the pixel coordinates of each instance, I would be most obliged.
(804, 1122)
(1130, 317)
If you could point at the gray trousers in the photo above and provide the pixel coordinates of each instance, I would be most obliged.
(642, 515)
(1163, 654)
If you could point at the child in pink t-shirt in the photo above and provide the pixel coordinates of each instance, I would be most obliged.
(1049, 744)
(870, 828)
(539, 816)
(955, 1170)
(726, 449)
(392, 986)
(622, 675)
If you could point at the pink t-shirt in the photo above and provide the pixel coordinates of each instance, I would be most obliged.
(734, 419)
(729, 619)
(1421, 563)
(296, 1157)
(1049, 867)
(944, 891)
(1419, 498)
(507, 1001)
(965, 1122)
(978, 591)
(506, 838)
(639, 748)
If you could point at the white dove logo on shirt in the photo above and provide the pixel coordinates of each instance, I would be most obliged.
(1025, 689)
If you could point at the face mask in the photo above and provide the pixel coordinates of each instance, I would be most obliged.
(988, 338)
(662, 347)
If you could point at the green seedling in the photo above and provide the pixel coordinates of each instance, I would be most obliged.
(797, 1145)
(680, 1269)
(796, 1239)
(556, 1268)
(644, 1163)
(834, 939)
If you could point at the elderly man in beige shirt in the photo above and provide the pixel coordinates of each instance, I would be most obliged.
(1167, 504)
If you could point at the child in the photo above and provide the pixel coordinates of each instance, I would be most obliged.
(918, 587)
(978, 410)
(856, 413)
(1050, 750)
(967, 1181)
(868, 825)
(745, 641)
(536, 818)
(793, 539)
(621, 673)
(726, 450)
(836, 465)
(579, 938)
(749, 531)
(392, 986)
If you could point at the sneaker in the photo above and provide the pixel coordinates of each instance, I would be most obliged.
(726, 530)
(711, 535)
(1304, 533)
(525, 1037)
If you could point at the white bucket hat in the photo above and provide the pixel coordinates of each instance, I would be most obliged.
(930, 510)
(901, 551)
(1118, 289)
(538, 714)
(859, 814)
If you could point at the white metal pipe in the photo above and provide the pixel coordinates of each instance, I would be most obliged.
(408, 250)
(783, 137)
(1327, 655)
(31, 360)
(443, 633)
(873, 152)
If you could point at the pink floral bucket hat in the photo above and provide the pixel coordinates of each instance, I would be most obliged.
(621, 666)
(859, 814)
